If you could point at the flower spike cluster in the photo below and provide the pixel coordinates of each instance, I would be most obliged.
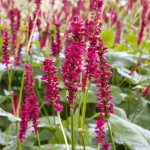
(93, 31)
(73, 59)
(56, 46)
(31, 100)
(15, 19)
(23, 123)
(18, 57)
(146, 91)
(43, 38)
(104, 97)
(6, 57)
(97, 67)
(118, 32)
(51, 82)
(102, 76)
(29, 105)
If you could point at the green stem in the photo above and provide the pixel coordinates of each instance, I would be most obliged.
(46, 114)
(7, 135)
(72, 128)
(110, 133)
(9, 89)
(18, 142)
(79, 108)
(20, 95)
(85, 103)
(139, 100)
(83, 143)
(66, 113)
(38, 138)
(99, 146)
(67, 146)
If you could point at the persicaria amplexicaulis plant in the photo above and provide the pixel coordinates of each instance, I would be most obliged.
(92, 33)
(100, 72)
(73, 59)
(15, 19)
(44, 37)
(6, 56)
(146, 91)
(24, 122)
(18, 57)
(51, 81)
(56, 45)
(29, 105)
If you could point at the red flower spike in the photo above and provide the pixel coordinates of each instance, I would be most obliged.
(23, 123)
(73, 59)
(6, 57)
(92, 32)
(15, 19)
(18, 58)
(56, 46)
(146, 91)
(51, 81)
(30, 99)
(118, 32)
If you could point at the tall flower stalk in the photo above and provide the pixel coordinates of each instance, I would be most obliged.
(72, 65)
(104, 97)
(56, 46)
(52, 93)
(30, 109)
(93, 31)
(6, 56)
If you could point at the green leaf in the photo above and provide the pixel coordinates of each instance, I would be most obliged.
(50, 121)
(108, 37)
(3, 98)
(132, 39)
(142, 118)
(121, 47)
(2, 72)
(134, 79)
(60, 147)
(120, 112)
(134, 136)
(10, 116)
(3, 138)
(120, 59)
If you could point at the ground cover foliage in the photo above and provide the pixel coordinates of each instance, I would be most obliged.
(125, 32)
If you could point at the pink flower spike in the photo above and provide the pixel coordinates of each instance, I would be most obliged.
(99, 130)
(6, 57)
(15, 21)
(23, 123)
(73, 59)
(18, 58)
(51, 82)
(56, 45)
(105, 145)
(146, 91)
(118, 32)
(30, 99)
